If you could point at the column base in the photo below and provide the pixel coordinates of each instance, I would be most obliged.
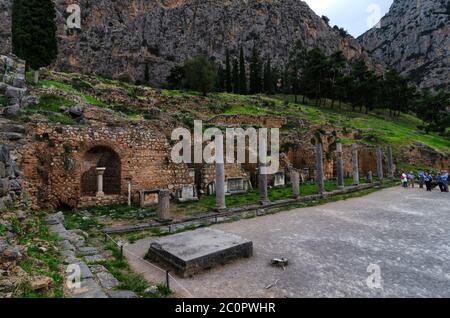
(264, 202)
(100, 194)
(220, 209)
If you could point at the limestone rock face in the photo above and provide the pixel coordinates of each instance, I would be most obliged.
(124, 38)
(414, 38)
(5, 26)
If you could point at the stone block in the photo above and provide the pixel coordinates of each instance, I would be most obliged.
(190, 252)
(11, 111)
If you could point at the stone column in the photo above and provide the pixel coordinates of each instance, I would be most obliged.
(163, 204)
(319, 167)
(369, 177)
(390, 163)
(355, 164)
(340, 166)
(295, 179)
(129, 192)
(262, 186)
(100, 171)
(220, 174)
(379, 163)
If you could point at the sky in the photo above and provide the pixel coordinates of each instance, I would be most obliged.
(356, 16)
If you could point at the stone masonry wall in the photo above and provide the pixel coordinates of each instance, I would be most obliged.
(53, 162)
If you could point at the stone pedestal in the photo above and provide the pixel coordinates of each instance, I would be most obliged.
(379, 164)
(100, 172)
(319, 167)
(262, 186)
(390, 163)
(369, 177)
(355, 164)
(340, 166)
(295, 179)
(163, 204)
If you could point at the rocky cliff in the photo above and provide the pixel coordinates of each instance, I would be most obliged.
(414, 38)
(124, 38)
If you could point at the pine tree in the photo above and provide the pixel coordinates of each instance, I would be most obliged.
(242, 73)
(34, 33)
(235, 76)
(255, 73)
(228, 79)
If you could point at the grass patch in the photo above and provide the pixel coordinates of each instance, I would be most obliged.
(129, 280)
(39, 262)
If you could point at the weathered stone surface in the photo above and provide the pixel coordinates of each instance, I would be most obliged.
(89, 289)
(93, 259)
(190, 252)
(414, 37)
(161, 34)
(41, 283)
(107, 280)
(87, 250)
(122, 294)
(30, 100)
(11, 111)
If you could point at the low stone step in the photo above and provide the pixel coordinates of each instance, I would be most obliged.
(94, 259)
(87, 250)
(122, 294)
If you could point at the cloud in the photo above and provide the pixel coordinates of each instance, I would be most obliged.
(356, 16)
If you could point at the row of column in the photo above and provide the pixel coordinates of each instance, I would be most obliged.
(295, 177)
(355, 166)
(164, 195)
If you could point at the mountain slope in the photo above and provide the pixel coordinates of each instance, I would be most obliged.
(124, 38)
(414, 38)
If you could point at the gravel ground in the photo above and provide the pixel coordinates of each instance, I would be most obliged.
(392, 243)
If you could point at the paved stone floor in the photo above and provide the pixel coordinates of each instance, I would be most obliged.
(404, 233)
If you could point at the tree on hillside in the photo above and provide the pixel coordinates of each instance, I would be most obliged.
(228, 79)
(200, 74)
(357, 88)
(176, 77)
(235, 76)
(242, 73)
(337, 64)
(220, 79)
(34, 33)
(316, 74)
(255, 73)
(434, 110)
(269, 78)
(296, 69)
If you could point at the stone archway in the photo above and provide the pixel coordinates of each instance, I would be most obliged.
(100, 156)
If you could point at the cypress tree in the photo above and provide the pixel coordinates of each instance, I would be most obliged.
(242, 73)
(220, 79)
(34, 33)
(235, 76)
(269, 78)
(228, 80)
(255, 73)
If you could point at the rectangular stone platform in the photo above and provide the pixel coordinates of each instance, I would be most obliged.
(190, 252)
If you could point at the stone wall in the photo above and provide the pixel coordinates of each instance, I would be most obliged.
(56, 160)
(248, 120)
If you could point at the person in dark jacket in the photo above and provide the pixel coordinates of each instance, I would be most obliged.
(428, 178)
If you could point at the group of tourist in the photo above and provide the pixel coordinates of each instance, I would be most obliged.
(428, 179)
